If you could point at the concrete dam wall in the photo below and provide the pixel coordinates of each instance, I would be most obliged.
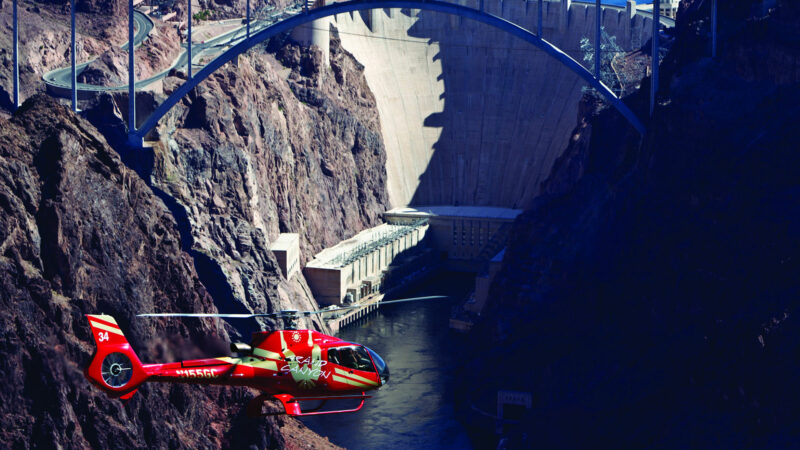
(471, 115)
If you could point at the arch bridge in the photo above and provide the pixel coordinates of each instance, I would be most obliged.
(300, 14)
(137, 134)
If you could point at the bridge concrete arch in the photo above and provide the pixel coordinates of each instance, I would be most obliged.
(137, 135)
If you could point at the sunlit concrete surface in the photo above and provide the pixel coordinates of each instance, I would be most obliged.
(471, 115)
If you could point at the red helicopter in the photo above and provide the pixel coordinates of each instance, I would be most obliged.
(289, 365)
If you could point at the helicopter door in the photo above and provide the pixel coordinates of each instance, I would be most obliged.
(351, 357)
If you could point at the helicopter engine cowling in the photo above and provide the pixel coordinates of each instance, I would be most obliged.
(241, 348)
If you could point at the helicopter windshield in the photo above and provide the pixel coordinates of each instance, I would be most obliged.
(380, 364)
(352, 357)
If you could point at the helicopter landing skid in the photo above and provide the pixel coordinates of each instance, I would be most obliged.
(291, 405)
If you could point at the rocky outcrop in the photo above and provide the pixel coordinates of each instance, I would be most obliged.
(44, 44)
(231, 9)
(264, 147)
(156, 54)
(650, 297)
(80, 233)
(276, 143)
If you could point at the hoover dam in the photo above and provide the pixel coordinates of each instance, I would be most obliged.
(470, 115)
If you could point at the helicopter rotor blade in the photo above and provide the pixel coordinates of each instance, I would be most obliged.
(224, 316)
(400, 300)
(285, 313)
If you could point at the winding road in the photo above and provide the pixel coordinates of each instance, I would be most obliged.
(59, 81)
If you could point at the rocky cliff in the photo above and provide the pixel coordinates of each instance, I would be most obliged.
(649, 297)
(156, 54)
(44, 40)
(80, 233)
(276, 143)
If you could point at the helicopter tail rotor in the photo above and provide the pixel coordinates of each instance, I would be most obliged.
(115, 368)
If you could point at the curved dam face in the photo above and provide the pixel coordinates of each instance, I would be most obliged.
(469, 114)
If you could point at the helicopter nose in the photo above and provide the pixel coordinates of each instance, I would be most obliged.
(380, 366)
(384, 375)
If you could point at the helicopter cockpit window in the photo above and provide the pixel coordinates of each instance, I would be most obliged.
(351, 357)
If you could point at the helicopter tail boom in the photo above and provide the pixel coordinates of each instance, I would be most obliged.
(115, 368)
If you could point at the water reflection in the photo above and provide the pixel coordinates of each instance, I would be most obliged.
(415, 410)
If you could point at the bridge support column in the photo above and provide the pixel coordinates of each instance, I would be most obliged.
(540, 11)
(131, 78)
(375, 21)
(630, 14)
(189, 42)
(16, 57)
(713, 28)
(598, 22)
(74, 75)
(654, 62)
(564, 19)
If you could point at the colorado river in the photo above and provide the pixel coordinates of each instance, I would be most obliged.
(415, 410)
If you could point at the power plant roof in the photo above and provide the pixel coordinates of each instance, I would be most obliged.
(473, 212)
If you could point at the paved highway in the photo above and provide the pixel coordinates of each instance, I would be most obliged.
(60, 79)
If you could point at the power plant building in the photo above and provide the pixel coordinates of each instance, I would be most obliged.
(287, 251)
(465, 235)
(365, 263)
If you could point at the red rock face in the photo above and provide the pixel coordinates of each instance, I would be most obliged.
(80, 233)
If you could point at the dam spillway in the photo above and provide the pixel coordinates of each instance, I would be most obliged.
(469, 114)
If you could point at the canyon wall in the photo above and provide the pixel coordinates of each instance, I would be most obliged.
(652, 288)
(80, 233)
(274, 142)
(278, 142)
(471, 115)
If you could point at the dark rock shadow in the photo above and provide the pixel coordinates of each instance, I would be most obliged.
(142, 162)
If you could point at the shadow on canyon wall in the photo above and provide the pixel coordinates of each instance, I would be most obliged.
(509, 108)
(649, 297)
